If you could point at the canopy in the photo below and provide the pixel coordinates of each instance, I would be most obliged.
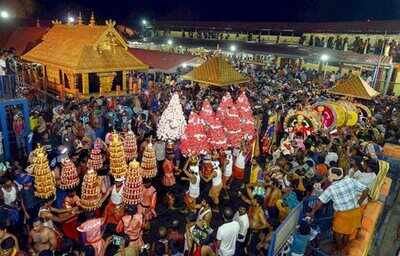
(355, 87)
(216, 71)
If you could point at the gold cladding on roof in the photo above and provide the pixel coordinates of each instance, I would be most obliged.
(354, 87)
(84, 49)
(216, 71)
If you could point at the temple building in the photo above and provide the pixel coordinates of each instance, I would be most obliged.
(79, 59)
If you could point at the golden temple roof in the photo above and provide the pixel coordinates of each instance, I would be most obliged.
(216, 71)
(84, 49)
(355, 87)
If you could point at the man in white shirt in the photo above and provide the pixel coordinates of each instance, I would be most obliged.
(242, 218)
(227, 234)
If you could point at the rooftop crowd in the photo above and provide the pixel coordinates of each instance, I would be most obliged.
(190, 208)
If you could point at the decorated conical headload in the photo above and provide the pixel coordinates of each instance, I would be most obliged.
(130, 146)
(118, 166)
(90, 191)
(232, 124)
(172, 121)
(207, 114)
(133, 188)
(45, 184)
(69, 176)
(194, 141)
(95, 160)
(246, 117)
(216, 134)
(225, 103)
(149, 162)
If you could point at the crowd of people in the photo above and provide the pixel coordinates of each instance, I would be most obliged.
(223, 203)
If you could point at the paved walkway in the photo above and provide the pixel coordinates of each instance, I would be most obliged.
(388, 237)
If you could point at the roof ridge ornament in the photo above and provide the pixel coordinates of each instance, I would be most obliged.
(80, 22)
(92, 21)
(56, 22)
(110, 23)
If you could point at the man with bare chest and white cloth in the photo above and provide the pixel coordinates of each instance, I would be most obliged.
(41, 238)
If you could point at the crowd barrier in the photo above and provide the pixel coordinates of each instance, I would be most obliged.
(361, 242)
(7, 87)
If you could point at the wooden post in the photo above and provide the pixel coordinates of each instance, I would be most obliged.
(124, 81)
(85, 84)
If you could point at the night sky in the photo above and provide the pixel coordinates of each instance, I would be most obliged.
(130, 11)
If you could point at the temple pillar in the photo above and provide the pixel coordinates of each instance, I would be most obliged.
(85, 83)
(106, 80)
(124, 81)
(71, 80)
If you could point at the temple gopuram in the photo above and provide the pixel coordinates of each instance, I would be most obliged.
(84, 60)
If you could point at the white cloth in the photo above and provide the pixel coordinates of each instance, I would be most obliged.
(203, 212)
(229, 164)
(217, 180)
(9, 196)
(116, 196)
(3, 67)
(244, 224)
(240, 160)
(194, 189)
(194, 168)
(47, 223)
(331, 157)
(159, 148)
(228, 234)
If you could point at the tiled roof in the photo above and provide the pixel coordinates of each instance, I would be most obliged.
(24, 39)
(163, 61)
(216, 71)
(354, 87)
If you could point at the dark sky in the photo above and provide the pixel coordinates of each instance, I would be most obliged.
(130, 11)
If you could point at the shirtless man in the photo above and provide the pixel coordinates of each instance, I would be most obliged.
(4, 235)
(42, 238)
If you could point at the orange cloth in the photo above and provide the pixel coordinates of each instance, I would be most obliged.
(238, 173)
(132, 226)
(113, 214)
(347, 222)
(148, 205)
(168, 179)
(92, 231)
(321, 170)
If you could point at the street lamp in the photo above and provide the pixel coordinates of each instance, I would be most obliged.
(169, 42)
(144, 22)
(71, 19)
(4, 14)
(324, 59)
(232, 48)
